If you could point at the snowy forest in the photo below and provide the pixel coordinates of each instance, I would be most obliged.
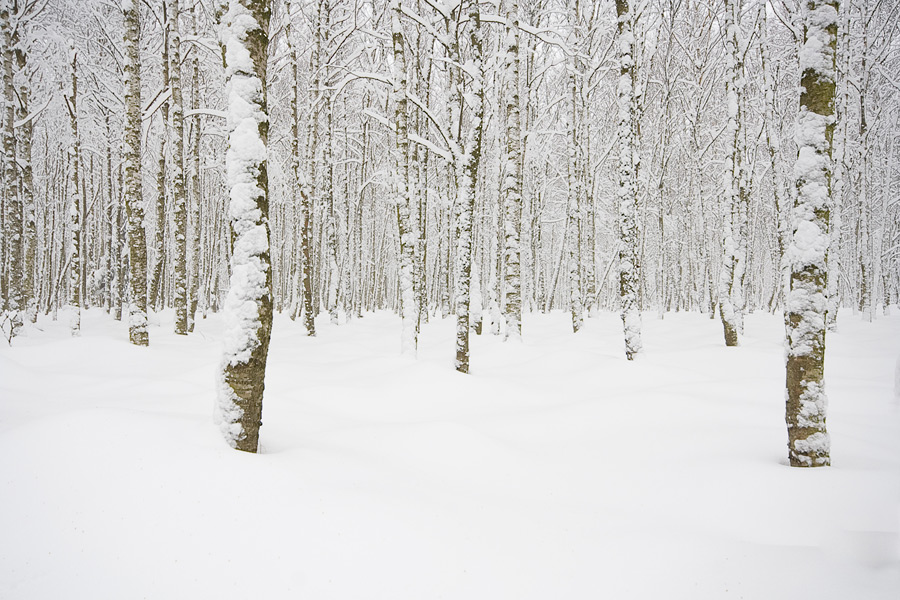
(452, 225)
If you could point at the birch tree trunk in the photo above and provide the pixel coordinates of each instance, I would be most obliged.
(573, 217)
(468, 180)
(196, 200)
(409, 308)
(24, 157)
(773, 145)
(248, 308)
(840, 175)
(179, 199)
(308, 189)
(75, 255)
(808, 441)
(132, 192)
(629, 264)
(730, 278)
(159, 246)
(14, 213)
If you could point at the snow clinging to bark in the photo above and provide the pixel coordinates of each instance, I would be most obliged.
(246, 152)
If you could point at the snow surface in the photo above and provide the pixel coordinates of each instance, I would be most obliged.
(556, 470)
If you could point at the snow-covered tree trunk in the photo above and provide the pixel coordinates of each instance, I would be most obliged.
(159, 241)
(195, 198)
(75, 255)
(733, 218)
(248, 308)
(773, 144)
(865, 252)
(14, 212)
(409, 308)
(840, 186)
(179, 193)
(308, 188)
(629, 158)
(808, 441)
(468, 184)
(134, 204)
(573, 206)
(24, 157)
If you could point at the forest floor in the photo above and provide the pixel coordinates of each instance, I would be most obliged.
(557, 470)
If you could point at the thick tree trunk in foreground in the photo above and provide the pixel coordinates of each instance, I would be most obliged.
(808, 441)
(248, 308)
(134, 205)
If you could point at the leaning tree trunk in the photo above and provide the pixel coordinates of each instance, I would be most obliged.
(248, 308)
(629, 263)
(808, 441)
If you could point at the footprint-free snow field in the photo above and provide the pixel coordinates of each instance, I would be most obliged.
(557, 470)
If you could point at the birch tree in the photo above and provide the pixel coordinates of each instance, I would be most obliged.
(468, 183)
(248, 308)
(132, 192)
(409, 307)
(12, 199)
(808, 441)
(627, 197)
(735, 199)
(511, 190)
(76, 259)
(179, 194)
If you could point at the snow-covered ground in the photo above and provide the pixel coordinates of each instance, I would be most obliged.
(556, 471)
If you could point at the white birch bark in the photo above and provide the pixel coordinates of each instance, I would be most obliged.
(409, 307)
(75, 256)
(179, 193)
(629, 158)
(134, 204)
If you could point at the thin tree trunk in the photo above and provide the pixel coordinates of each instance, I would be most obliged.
(132, 189)
(409, 308)
(156, 279)
(14, 225)
(179, 200)
(629, 264)
(196, 200)
(511, 190)
(468, 181)
(75, 201)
